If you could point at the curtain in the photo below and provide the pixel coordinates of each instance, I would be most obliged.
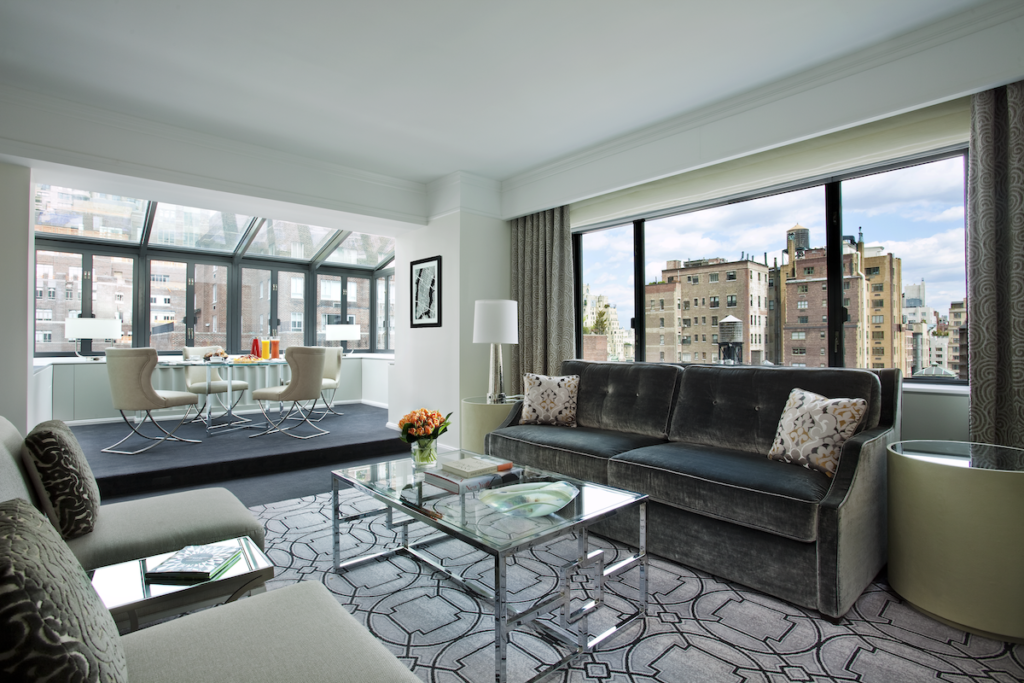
(995, 266)
(542, 283)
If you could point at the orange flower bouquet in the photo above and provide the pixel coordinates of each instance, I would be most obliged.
(421, 428)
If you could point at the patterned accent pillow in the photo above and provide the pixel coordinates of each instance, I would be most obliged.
(62, 478)
(813, 428)
(550, 400)
(54, 626)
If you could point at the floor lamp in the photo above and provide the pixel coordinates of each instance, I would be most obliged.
(496, 322)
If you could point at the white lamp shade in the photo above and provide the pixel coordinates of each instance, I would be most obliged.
(92, 328)
(496, 321)
(343, 333)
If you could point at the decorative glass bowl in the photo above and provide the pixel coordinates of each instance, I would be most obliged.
(530, 500)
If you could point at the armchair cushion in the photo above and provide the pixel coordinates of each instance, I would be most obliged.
(53, 626)
(62, 478)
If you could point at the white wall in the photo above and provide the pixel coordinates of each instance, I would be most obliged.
(17, 282)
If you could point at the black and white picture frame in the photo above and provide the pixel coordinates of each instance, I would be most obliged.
(425, 308)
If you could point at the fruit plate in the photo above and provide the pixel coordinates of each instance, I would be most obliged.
(530, 500)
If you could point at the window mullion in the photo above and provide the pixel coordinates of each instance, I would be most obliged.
(835, 271)
(639, 279)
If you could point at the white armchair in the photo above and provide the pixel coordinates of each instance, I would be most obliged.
(131, 387)
(307, 368)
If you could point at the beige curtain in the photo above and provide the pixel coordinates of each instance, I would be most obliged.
(995, 266)
(542, 283)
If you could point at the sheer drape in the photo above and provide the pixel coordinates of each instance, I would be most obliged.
(995, 266)
(542, 283)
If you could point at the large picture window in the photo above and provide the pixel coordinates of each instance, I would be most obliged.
(898, 299)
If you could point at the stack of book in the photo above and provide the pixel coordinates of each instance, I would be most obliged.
(195, 563)
(472, 474)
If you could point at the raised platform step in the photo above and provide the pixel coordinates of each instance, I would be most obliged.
(358, 434)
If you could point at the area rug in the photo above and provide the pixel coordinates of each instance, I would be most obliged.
(699, 628)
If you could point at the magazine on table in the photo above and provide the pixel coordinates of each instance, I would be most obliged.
(455, 483)
(195, 563)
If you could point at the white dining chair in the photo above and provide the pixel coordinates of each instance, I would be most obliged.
(131, 387)
(307, 370)
(195, 382)
(330, 382)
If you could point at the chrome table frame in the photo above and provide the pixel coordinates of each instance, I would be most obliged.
(572, 628)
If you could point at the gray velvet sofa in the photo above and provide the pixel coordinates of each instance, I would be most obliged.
(696, 440)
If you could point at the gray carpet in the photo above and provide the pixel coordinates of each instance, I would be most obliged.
(698, 628)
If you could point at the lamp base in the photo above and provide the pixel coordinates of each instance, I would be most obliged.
(496, 380)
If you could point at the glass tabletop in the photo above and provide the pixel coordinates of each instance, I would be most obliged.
(125, 583)
(216, 364)
(963, 454)
(399, 484)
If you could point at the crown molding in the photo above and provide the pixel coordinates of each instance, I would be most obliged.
(40, 127)
(687, 132)
(464, 192)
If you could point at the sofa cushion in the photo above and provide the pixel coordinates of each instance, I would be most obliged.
(14, 479)
(549, 400)
(161, 524)
(62, 478)
(53, 626)
(813, 428)
(581, 453)
(739, 408)
(295, 633)
(625, 397)
(731, 485)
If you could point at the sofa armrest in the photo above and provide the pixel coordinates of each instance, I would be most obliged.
(514, 416)
(853, 522)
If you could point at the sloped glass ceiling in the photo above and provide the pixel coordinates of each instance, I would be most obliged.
(66, 213)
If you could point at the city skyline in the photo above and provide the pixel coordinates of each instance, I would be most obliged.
(909, 212)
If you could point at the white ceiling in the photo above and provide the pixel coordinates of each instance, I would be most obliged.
(416, 90)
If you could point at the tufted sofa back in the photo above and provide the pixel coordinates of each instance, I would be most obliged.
(625, 397)
(739, 407)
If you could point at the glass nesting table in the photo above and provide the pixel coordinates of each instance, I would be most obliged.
(133, 601)
(400, 486)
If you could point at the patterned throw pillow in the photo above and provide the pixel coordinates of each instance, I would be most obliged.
(813, 428)
(54, 626)
(62, 478)
(550, 400)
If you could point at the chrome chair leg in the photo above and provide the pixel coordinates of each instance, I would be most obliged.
(168, 435)
(276, 426)
(328, 406)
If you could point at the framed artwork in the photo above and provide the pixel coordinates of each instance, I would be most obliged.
(426, 292)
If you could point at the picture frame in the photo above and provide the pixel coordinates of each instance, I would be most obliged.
(425, 292)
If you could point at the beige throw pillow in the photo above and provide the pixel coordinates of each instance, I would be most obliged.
(813, 428)
(550, 400)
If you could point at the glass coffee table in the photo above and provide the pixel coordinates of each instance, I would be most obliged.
(130, 598)
(401, 487)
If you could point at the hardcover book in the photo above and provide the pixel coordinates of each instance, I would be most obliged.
(455, 483)
(469, 467)
(195, 563)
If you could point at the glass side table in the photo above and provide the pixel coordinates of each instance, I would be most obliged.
(956, 534)
(133, 601)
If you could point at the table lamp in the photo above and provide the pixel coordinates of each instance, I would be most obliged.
(78, 329)
(343, 333)
(496, 322)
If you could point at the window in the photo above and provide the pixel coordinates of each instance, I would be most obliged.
(801, 304)
(809, 270)
(44, 314)
(661, 340)
(878, 288)
(712, 277)
(714, 339)
(51, 293)
(801, 319)
(799, 335)
(730, 275)
(802, 289)
(878, 335)
(159, 277)
(871, 271)
(713, 302)
(661, 304)
(877, 303)
(695, 279)
(686, 322)
(296, 321)
(877, 319)
(661, 322)
(799, 352)
(730, 301)
(714, 321)
(298, 284)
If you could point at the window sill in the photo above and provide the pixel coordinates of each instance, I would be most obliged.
(911, 387)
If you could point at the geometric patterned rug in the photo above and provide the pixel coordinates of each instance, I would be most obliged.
(698, 627)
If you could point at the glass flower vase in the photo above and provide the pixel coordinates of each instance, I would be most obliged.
(424, 452)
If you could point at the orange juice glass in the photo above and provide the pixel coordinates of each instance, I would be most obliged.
(266, 349)
(275, 348)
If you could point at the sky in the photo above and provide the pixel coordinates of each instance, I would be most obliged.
(916, 214)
